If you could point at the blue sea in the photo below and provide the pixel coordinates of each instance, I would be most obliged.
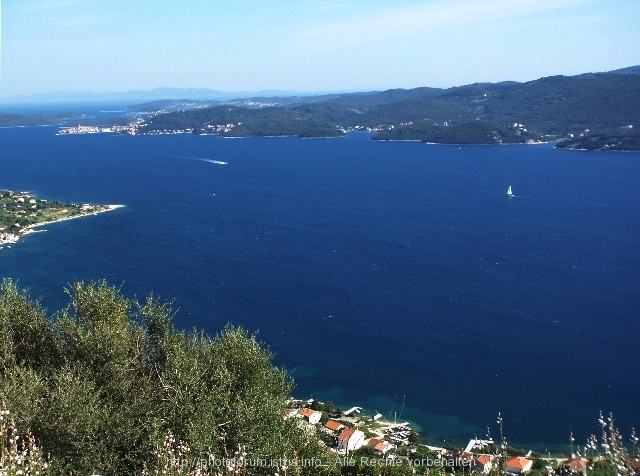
(399, 277)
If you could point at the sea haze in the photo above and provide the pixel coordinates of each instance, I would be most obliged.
(377, 272)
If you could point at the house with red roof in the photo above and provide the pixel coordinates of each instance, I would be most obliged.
(350, 440)
(518, 465)
(333, 425)
(381, 446)
(576, 466)
(482, 464)
(310, 415)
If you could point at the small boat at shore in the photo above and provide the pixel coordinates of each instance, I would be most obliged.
(510, 192)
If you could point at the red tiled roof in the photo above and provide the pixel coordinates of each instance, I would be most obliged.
(332, 425)
(373, 442)
(483, 459)
(346, 433)
(306, 412)
(517, 462)
(381, 446)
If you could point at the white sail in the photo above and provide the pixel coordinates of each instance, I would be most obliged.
(509, 192)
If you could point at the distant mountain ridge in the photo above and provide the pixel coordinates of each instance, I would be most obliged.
(283, 98)
(132, 96)
(628, 70)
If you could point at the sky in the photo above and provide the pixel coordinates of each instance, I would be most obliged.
(307, 45)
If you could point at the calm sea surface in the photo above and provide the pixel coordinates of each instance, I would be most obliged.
(379, 273)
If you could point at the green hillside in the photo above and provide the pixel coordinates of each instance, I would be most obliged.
(474, 132)
(21, 120)
(545, 109)
(622, 139)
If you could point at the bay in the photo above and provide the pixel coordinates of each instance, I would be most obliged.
(378, 273)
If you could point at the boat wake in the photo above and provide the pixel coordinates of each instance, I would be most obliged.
(201, 159)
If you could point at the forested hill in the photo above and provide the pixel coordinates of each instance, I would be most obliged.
(544, 109)
(21, 120)
(244, 122)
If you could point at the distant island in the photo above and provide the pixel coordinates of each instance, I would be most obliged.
(593, 111)
(24, 120)
(21, 212)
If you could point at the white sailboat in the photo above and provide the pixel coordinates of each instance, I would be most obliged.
(510, 192)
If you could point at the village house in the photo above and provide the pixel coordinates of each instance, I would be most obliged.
(482, 464)
(518, 465)
(333, 425)
(350, 439)
(310, 415)
(576, 466)
(381, 446)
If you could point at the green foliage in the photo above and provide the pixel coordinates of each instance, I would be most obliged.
(21, 120)
(474, 132)
(326, 407)
(605, 139)
(365, 450)
(327, 439)
(418, 131)
(26, 338)
(367, 432)
(18, 208)
(285, 124)
(102, 382)
(539, 463)
(271, 121)
(511, 451)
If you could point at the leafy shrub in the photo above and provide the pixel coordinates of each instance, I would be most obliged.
(102, 382)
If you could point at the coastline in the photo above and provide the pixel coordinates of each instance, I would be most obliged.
(30, 229)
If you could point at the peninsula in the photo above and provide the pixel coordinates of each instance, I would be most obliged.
(20, 212)
(587, 111)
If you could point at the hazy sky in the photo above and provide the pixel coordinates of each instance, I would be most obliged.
(307, 45)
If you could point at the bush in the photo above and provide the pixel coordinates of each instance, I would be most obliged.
(102, 383)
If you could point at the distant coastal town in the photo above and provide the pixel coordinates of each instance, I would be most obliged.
(21, 212)
(139, 127)
(129, 129)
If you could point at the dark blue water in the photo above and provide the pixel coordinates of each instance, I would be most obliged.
(379, 271)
